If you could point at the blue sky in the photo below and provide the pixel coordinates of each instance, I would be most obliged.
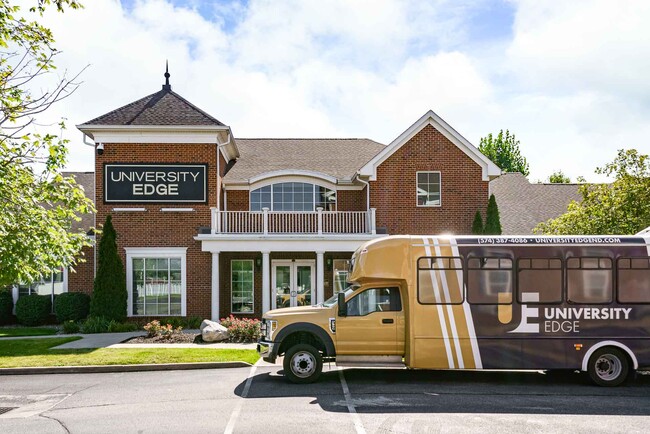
(568, 78)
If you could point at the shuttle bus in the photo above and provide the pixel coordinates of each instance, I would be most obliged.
(493, 302)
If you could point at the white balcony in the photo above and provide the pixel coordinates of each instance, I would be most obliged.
(318, 222)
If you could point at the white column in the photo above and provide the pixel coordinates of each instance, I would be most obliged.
(266, 282)
(215, 286)
(320, 277)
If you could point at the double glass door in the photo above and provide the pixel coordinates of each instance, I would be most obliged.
(292, 283)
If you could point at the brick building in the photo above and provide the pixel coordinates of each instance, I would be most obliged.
(210, 224)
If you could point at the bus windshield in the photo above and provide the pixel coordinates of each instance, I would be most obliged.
(333, 299)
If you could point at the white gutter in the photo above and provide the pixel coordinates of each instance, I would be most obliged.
(219, 146)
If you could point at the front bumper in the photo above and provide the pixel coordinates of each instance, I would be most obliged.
(267, 350)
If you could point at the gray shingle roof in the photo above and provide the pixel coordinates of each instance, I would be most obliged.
(161, 108)
(340, 158)
(523, 205)
(87, 181)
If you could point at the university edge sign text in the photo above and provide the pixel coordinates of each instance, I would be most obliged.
(155, 183)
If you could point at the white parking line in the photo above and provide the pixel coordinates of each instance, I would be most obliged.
(235, 413)
(358, 425)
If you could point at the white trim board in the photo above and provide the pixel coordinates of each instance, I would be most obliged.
(490, 170)
(155, 252)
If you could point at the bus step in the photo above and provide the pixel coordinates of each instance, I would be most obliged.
(370, 362)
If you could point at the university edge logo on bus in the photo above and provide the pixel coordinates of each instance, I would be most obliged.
(557, 319)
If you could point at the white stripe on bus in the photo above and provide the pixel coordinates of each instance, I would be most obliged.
(468, 312)
(441, 314)
(450, 311)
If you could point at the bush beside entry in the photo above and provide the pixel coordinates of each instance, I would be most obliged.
(109, 293)
(71, 306)
(33, 309)
(6, 306)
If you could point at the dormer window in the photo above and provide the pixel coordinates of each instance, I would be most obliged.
(293, 196)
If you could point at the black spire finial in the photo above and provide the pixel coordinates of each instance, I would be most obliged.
(167, 86)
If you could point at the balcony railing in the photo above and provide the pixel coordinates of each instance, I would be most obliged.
(318, 222)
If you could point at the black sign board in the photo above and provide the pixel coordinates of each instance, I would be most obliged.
(161, 183)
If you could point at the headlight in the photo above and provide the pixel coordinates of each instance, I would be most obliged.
(271, 326)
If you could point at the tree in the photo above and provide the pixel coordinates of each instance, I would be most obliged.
(492, 219)
(109, 291)
(37, 203)
(558, 177)
(477, 224)
(622, 207)
(503, 150)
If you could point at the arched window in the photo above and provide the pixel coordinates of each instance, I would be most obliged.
(293, 196)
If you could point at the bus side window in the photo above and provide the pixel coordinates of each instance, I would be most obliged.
(440, 280)
(633, 280)
(375, 300)
(542, 276)
(489, 280)
(589, 280)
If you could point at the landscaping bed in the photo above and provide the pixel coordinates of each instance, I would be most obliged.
(176, 338)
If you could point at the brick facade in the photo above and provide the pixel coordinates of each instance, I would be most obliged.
(394, 192)
(393, 195)
(154, 228)
(81, 279)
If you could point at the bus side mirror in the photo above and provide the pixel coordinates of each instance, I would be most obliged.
(343, 307)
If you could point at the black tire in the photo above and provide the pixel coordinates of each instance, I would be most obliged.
(608, 366)
(303, 364)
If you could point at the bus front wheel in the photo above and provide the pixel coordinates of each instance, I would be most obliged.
(608, 366)
(303, 364)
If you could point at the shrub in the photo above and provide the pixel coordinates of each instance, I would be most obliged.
(109, 292)
(492, 220)
(95, 324)
(155, 329)
(193, 322)
(6, 306)
(477, 224)
(33, 309)
(71, 306)
(71, 327)
(174, 321)
(117, 327)
(242, 329)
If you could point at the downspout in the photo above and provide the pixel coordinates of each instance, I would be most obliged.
(87, 143)
(219, 146)
(367, 183)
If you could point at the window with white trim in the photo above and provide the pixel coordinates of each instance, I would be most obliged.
(293, 196)
(156, 281)
(428, 188)
(52, 285)
(242, 286)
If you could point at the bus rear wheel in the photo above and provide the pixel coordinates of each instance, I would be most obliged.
(303, 364)
(608, 367)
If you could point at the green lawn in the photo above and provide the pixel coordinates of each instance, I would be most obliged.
(36, 352)
(26, 331)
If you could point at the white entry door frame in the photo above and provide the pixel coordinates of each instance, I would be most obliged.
(292, 282)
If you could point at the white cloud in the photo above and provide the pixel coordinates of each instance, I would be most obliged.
(570, 83)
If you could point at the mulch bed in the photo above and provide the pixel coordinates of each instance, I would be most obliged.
(180, 338)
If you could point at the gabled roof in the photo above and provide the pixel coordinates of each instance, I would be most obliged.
(87, 181)
(337, 158)
(523, 205)
(161, 108)
(490, 170)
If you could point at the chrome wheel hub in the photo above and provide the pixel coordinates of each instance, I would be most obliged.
(608, 367)
(303, 364)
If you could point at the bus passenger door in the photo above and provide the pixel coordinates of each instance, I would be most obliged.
(371, 326)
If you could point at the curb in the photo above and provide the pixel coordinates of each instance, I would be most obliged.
(91, 369)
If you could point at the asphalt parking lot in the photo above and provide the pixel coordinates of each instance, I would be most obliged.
(259, 400)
